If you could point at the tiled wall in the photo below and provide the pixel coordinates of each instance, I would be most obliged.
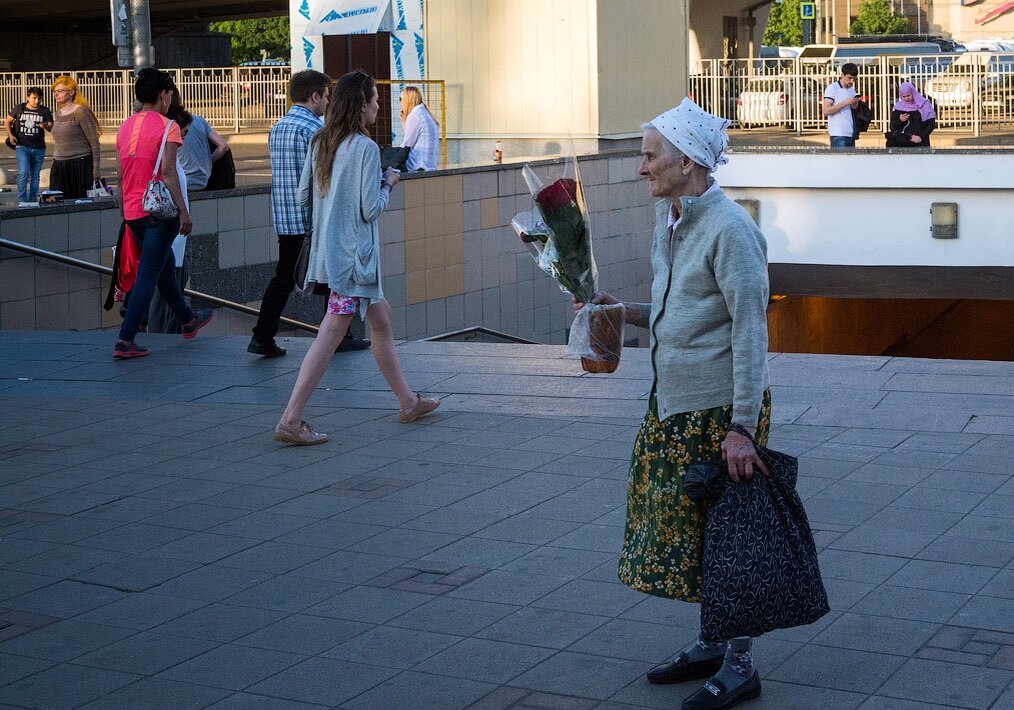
(450, 258)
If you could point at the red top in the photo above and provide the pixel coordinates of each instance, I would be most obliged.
(137, 144)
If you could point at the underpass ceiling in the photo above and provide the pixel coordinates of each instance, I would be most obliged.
(53, 15)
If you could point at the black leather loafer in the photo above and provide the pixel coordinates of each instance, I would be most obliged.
(351, 343)
(714, 696)
(265, 349)
(680, 669)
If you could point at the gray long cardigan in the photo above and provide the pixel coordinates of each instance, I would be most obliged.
(345, 251)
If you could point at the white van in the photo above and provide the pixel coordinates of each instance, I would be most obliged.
(989, 73)
(857, 53)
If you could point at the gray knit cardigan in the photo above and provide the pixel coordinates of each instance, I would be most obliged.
(708, 315)
(345, 252)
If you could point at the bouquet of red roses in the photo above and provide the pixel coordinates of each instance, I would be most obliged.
(559, 238)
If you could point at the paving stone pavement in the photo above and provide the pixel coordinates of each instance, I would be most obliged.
(159, 550)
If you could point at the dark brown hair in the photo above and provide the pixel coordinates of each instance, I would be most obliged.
(306, 83)
(344, 118)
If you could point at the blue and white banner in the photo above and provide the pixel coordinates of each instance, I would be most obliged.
(306, 51)
(311, 19)
(350, 17)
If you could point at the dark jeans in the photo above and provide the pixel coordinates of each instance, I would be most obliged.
(276, 295)
(843, 142)
(156, 269)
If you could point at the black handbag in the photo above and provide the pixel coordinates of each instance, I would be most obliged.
(759, 561)
(303, 260)
(392, 157)
(223, 171)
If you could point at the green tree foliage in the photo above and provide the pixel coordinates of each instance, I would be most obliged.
(249, 37)
(875, 17)
(785, 27)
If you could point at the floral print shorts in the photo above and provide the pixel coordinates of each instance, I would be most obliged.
(339, 305)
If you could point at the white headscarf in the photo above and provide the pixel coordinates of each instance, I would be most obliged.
(696, 133)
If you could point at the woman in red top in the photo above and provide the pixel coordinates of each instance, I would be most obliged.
(137, 144)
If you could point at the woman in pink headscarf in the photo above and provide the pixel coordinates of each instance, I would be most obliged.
(912, 119)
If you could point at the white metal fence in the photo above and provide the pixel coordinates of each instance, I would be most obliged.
(230, 98)
(971, 92)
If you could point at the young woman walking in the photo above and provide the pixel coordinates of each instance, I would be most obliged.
(342, 177)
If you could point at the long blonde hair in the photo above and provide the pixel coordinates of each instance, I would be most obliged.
(410, 98)
(71, 84)
(344, 118)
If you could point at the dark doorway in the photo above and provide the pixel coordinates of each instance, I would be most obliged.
(730, 37)
(372, 54)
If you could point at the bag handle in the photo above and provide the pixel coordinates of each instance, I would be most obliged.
(740, 429)
(161, 149)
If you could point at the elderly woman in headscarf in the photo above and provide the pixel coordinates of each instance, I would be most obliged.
(912, 119)
(76, 149)
(709, 341)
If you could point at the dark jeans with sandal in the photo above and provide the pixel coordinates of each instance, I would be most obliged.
(156, 270)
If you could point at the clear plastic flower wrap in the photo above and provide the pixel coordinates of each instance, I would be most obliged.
(557, 234)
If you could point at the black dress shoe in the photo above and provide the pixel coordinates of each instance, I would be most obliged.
(714, 696)
(350, 343)
(680, 669)
(265, 349)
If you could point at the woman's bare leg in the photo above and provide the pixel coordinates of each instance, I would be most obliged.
(382, 334)
(332, 330)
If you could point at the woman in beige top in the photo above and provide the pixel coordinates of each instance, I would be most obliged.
(76, 151)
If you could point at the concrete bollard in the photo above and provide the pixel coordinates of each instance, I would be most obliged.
(6, 177)
(44, 179)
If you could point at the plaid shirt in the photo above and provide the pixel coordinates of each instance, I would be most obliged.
(288, 143)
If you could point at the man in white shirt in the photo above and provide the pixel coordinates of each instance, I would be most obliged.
(839, 99)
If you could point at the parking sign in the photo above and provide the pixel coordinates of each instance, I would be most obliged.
(808, 10)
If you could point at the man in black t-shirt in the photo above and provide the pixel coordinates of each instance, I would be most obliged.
(26, 126)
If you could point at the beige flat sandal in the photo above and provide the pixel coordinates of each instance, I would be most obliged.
(302, 436)
(423, 405)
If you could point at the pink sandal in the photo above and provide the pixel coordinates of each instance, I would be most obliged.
(423, 405)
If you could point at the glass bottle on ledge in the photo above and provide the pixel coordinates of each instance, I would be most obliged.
(498, 152)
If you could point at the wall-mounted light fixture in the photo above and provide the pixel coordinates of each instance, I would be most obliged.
(944, 220)
(752, 208)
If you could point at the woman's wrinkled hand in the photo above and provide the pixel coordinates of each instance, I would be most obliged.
(391, 177)
(600, 298)
(917, 139)
(186, 223)
(740, 455)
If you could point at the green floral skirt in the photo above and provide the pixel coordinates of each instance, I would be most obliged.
(662, 541)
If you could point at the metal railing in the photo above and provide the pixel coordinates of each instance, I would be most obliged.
(970, 93)
(229, 98)
(107, 271)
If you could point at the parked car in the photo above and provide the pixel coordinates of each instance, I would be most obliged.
(764, 101)
(988, 73)
(769, 101)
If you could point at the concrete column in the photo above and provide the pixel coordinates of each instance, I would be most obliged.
(643, 62)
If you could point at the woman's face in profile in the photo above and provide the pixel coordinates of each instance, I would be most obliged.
(371, 109)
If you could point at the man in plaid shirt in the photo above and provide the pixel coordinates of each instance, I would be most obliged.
(288, 144)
